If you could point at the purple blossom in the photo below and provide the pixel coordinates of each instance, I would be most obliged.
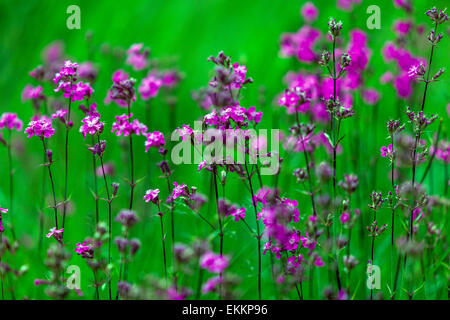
(33, 93)
(10, 121)
(154, 139)
(152, 195)
(213, 262)
(150, 86)
(91, 125)
(309, 12)
(40, 128)
(136, 57)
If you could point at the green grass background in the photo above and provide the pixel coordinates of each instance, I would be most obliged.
(189, 31)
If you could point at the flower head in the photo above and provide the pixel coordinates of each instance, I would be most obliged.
(154, 139)
(10, 121)
(152, 195)
(40, 128)
(91, 125)
(213, 262)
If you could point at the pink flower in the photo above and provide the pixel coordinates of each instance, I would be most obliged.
(10, 121)
(213, 262)
(386, 77)
(122, 126)
(60, 114)
(179, 190)
(185, 132)
(149, 86)
(66, 77)
(371, 96)
(152, 195)
(40, 128)
(84, 250)
(345, 217)
(91, 125)
(32, 93)
(136, 57)
(211, 284)
(318, 262)
(309, 12)
(80, 91)
(239, 72)
(238, 214)
(55, 233)
(154, 139)
(122, 91)
(387, 152)
(402, 28)
(403, 86)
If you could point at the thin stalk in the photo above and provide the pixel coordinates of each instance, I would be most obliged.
(109, 219)
(220, 222)
(66, 163)
(257, 230)
(132, 185)
(373, 246)
(163, 243)
(94, 167)
(51, 182)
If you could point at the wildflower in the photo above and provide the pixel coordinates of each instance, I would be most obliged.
(394, 126)
(66, 77)
(150, 86)
(309, 12)
(80, 91)
(387, 152)
(122, 91)
(211, 284)
(10, 121)
(152, 195)
(350, 183)
(154, 139)
(437, 17)
(136, 57)
(85, 250)
(56, 233)
(98, 149)
(91, 125)
(345, 217)
(416, 71)
(238, 214)
(33, 93)
(87, 71)
(402, 28)
(213, 262)
(122, 126)
(40, 128)
(179, 190)
(334, 27)
(185, 132)
(318, 262)
(127, 218)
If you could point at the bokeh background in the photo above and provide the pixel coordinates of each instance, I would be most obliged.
(184, 33)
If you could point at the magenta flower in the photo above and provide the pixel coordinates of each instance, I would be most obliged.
(136, 57)
(85, 250)
(122, 91)
(387, 152)
(152, 195)
(56, 233)
(371, 96)
(213, 262)
(238, 214)
(10, 121)
(239, 76)
(345, 217)
(402, 28)
(149, 86)
(154, 139)
(40, 128)
(179, 190)
(309, 12)
(80, 91)
(60, 114)
(98, 148)
(32, 93)
(91, 125)
(122, 126)
(211, 284)
(66, 77)
(185, 132)
(318, 262)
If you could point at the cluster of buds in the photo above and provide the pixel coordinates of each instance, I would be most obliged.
(334, 28)
(374, 230)
(434, 37)
(350, 262)
(343, 112)
(56, 261)
(377, 201)
(127, 218)
(324, 171)
(394, 126)
(419, 120)
(124, 90)
(436, 16)
(98, 148)
(124, 245)
(350, 183)
(301, 175)
(325, 58)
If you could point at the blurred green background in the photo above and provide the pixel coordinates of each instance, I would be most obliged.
(186, 32)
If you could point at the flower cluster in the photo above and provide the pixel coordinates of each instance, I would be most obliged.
(123, 126)
(137, 56)
(40, 128)
(122, 91)
(10, 121)
(154, 139)
(213, 262)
